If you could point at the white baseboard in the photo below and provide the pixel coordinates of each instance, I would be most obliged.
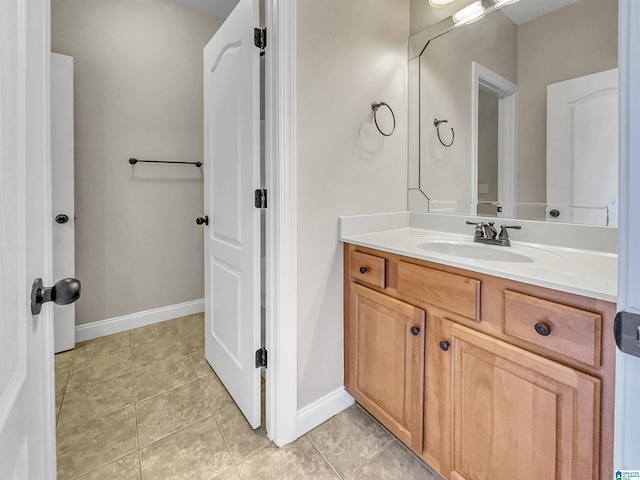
(321, 410)
(101, 328)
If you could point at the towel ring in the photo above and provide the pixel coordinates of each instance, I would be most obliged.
(437, 123)
(375, 106)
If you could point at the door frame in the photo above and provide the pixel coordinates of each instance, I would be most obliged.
(281, 262)
(281, 228)
(485, 79)
(627, 419)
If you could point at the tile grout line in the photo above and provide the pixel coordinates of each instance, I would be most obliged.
(140, 447)
(135, 409)
(226, 444)
(166, 391)
(323, 456)
(134, 404)
(386, 445)
(174, 388)
(424, 464)
(246, 457)
(96, 418)
(103, 465)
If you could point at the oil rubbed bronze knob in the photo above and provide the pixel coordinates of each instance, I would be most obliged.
(62, 218)
(415, 331)
(543, 329)
(444, 345)
(363, 270)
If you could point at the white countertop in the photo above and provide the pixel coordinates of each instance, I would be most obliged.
(582, 272)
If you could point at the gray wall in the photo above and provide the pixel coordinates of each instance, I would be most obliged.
(445, 93)
(138, 92)
(488, 150)
(349, 54)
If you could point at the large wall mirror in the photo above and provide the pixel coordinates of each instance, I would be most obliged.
(513, 111)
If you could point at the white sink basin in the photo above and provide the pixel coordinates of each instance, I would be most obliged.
(474, 250)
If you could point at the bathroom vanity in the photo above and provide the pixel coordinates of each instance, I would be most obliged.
(488, 365)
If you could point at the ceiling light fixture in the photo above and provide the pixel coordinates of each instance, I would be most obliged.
(440, 3)
(502, 3)
(468, 14)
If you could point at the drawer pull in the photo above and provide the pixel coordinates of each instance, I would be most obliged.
(444, 345)
(415, 331)
(543, 329)
(363, 270)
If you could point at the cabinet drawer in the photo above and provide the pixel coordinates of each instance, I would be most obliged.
(559, 328)
(367, 268)
(451, 292)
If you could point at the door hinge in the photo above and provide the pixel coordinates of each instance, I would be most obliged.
(260, 198)
(260, 38)
(626, 332)
(261, 357)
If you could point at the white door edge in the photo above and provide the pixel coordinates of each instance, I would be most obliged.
(281, 224)
(62, 161)
(627, 431)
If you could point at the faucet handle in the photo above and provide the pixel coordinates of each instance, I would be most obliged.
(479, 228)
(504, 234)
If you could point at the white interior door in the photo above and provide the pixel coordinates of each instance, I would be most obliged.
(582, 149)
(63, 193)
(627, 432)
(232, 238)
(27, 403)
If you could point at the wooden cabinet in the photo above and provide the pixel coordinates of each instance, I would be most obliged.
(568, 331)
(502, 380)
(436, 446)
(385, 368)
(519, 415)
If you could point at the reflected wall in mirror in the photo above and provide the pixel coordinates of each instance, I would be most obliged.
(530, 92)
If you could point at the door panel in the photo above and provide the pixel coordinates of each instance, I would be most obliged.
(232, 173)
(62, 174)
(582, 149)
(27, 403)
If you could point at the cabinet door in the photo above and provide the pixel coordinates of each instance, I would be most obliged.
(385, 357)
(518, 415)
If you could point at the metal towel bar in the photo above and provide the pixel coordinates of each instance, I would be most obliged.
(133, 161)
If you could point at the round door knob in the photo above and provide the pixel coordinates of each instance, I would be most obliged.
(64, 292)
(62, 218)
(363, 270)
(543, 329)
(444, 345)
(415, 331)
(554, 213)
(203, 220)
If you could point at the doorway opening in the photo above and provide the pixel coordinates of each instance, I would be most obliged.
(494, 142)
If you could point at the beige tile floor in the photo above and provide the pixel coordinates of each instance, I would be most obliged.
(145, 405)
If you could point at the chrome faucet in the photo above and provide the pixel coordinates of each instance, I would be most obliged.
(485, 232)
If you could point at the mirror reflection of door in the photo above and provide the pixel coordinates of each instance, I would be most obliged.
(494, 142)
(582, 149)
